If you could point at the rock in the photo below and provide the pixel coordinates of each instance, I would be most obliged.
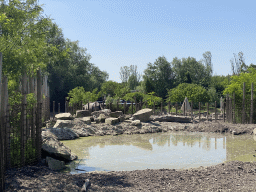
(169, 118)
(64, 133)
(54, 148)
(63, 123)
(136, 123)
(87, 120)
(105, 112)
(83, 113)
(96, 120)
(55, 164)
(116, 114)
(121, 118)
(112, 121)
(254, 131)
(64, 116)
(143, 115)
(102, 118)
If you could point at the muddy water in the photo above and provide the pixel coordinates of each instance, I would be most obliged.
(171, 150)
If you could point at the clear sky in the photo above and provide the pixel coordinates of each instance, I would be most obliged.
(120, 33)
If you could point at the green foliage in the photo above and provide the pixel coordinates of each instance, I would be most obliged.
(188, 70)
(213, 95)
(236, 84)
(150, 98)
(78, 94)
(110, 88)
(158, 77)
(193, 92)
(130, 97)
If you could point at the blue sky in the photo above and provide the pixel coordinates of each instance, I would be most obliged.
(135, 32)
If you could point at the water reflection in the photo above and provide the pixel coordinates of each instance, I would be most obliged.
(159, 150)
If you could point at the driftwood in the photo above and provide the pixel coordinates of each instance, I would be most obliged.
(86, 184)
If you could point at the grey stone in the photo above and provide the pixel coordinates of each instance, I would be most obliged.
(55, 164)
(116, 114)
(83, 113)
(136, 123)
(87, 120)
(143, 115)
(64, 123)
(64, 133)
(64, 116)
(121, 118)
(54, 148)
(111, 121)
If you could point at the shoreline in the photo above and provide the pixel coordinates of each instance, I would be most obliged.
(233, 175)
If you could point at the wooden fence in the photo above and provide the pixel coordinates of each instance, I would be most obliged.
(20, 128)
(241, 110)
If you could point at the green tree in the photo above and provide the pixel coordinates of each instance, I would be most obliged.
(109, 88)
(188, 70)
(238, 64)
(193, 92)
(158, 77)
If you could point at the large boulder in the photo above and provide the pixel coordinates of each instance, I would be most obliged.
(143, 115)
(83, 113)
(64, 116)
(112, 121)
(87, 120)
(64, 133)
(116, 114)
(169, 118)
(64, 124)
(55, 164)
(54, 148)
(136, 123)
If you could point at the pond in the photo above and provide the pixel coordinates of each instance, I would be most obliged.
(170, 150)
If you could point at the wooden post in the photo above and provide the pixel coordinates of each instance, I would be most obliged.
(251, 115)
(176, 107)
(154, 108)
(161, 107)
(23, 127)
(224, 106)
(110, 106)
(207, 111)
(59, 108)
(39, 118)
(135, 104)
(2, 147)
(191, 110)
(65, 106)
(215, 111)
(53, 109)
(234, 109)
(243, 115)
(124, 106)
(169, 107)
(5, 128)
(132, 107)
(199, 111)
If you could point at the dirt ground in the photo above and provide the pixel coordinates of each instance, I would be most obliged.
(230, 176)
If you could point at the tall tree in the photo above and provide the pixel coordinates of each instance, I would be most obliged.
(238, 63)
(134, 77)
(159, 77)
(190, 70)
(124, 74)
